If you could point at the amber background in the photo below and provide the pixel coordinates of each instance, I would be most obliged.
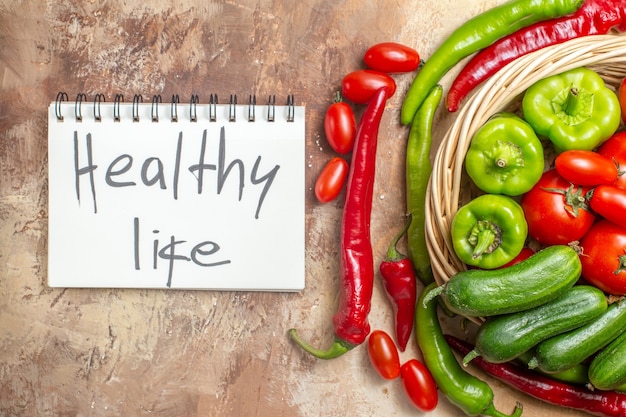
(95, 352)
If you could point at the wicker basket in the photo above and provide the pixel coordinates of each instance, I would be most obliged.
(449, 185)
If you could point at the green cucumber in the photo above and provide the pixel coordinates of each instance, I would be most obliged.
(530, 283)
(571, 348)
(607, 370)
(503, 338)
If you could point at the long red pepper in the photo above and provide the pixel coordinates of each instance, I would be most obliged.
(544, 388)
(357, 260)
(399, 280)
(595, 17)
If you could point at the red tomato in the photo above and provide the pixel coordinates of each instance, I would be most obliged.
(582, 167)
(360, 86)
(615, 149)
(330, 181)
(609, 202)
(523, 255)
(340, 127)
(391, 57)
(604, 257)
(383, 354)
(556, 211)
(419, 385)
(621, 94)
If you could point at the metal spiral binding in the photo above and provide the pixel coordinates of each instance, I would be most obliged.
(232, 108)
(271, 108)
(193, 113)
(61, 97)
(154, 111)
(136, 100)
(97, 115)
(174, 108)
(116, 107)
(157, 100)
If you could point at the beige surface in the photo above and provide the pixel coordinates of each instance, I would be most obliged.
(113, 352)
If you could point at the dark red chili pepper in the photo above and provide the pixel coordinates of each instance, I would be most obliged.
(544, 388)
(357, 260)
(399, 280)
(595, 17)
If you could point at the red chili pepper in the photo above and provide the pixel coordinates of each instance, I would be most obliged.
(357, 260)
(399, 280)
(595, 17)
(544, 388)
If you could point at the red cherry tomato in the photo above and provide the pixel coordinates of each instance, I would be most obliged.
(340, 127)
(419, 385)
(583, 167)
(383, 354)
(556, 211)
(615, 149)
(391, 57)
(621, 94)
(360, 86)
(603, 257)
(330, 181)
(609, 202)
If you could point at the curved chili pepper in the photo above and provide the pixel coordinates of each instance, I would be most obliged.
(476, 34)
(418, 169)
(399, 280)
(544, 388)
(357, 260)
(469, 393)
(595, 17)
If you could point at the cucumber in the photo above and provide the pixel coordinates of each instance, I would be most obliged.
(503, 338)
(607, 370)
(571, 348)
(530, 283)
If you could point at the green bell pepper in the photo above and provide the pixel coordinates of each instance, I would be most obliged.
(489, 231)
(574, 109)
(505, 156)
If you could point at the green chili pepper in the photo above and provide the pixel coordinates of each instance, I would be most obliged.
(489, 231)
(418, 170)
(574, 109)
(476, 34)
(469, 393)
(505, 156)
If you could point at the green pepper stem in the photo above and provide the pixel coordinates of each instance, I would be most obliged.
(338, 348)
(485, 236)
(471, 355)
(393, 255)
(493, 412)
(572, 103)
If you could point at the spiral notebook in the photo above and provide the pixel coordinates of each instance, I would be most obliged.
(176, 195)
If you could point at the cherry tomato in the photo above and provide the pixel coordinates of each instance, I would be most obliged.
(557, 211)
(523, 255)
(330, 181)
(383, 354)
(340, 127)
(419, 385)
(604, 257)
(621, 94)
(609, 202)
(391, 57)
(360, 86)
(615, 149)
(583, 167)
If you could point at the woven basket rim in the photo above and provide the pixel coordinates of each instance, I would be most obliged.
(606, 54)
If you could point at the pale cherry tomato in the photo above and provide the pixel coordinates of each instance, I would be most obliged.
(331, 180)
(419, 385)
(383, 354)
(391, 57)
